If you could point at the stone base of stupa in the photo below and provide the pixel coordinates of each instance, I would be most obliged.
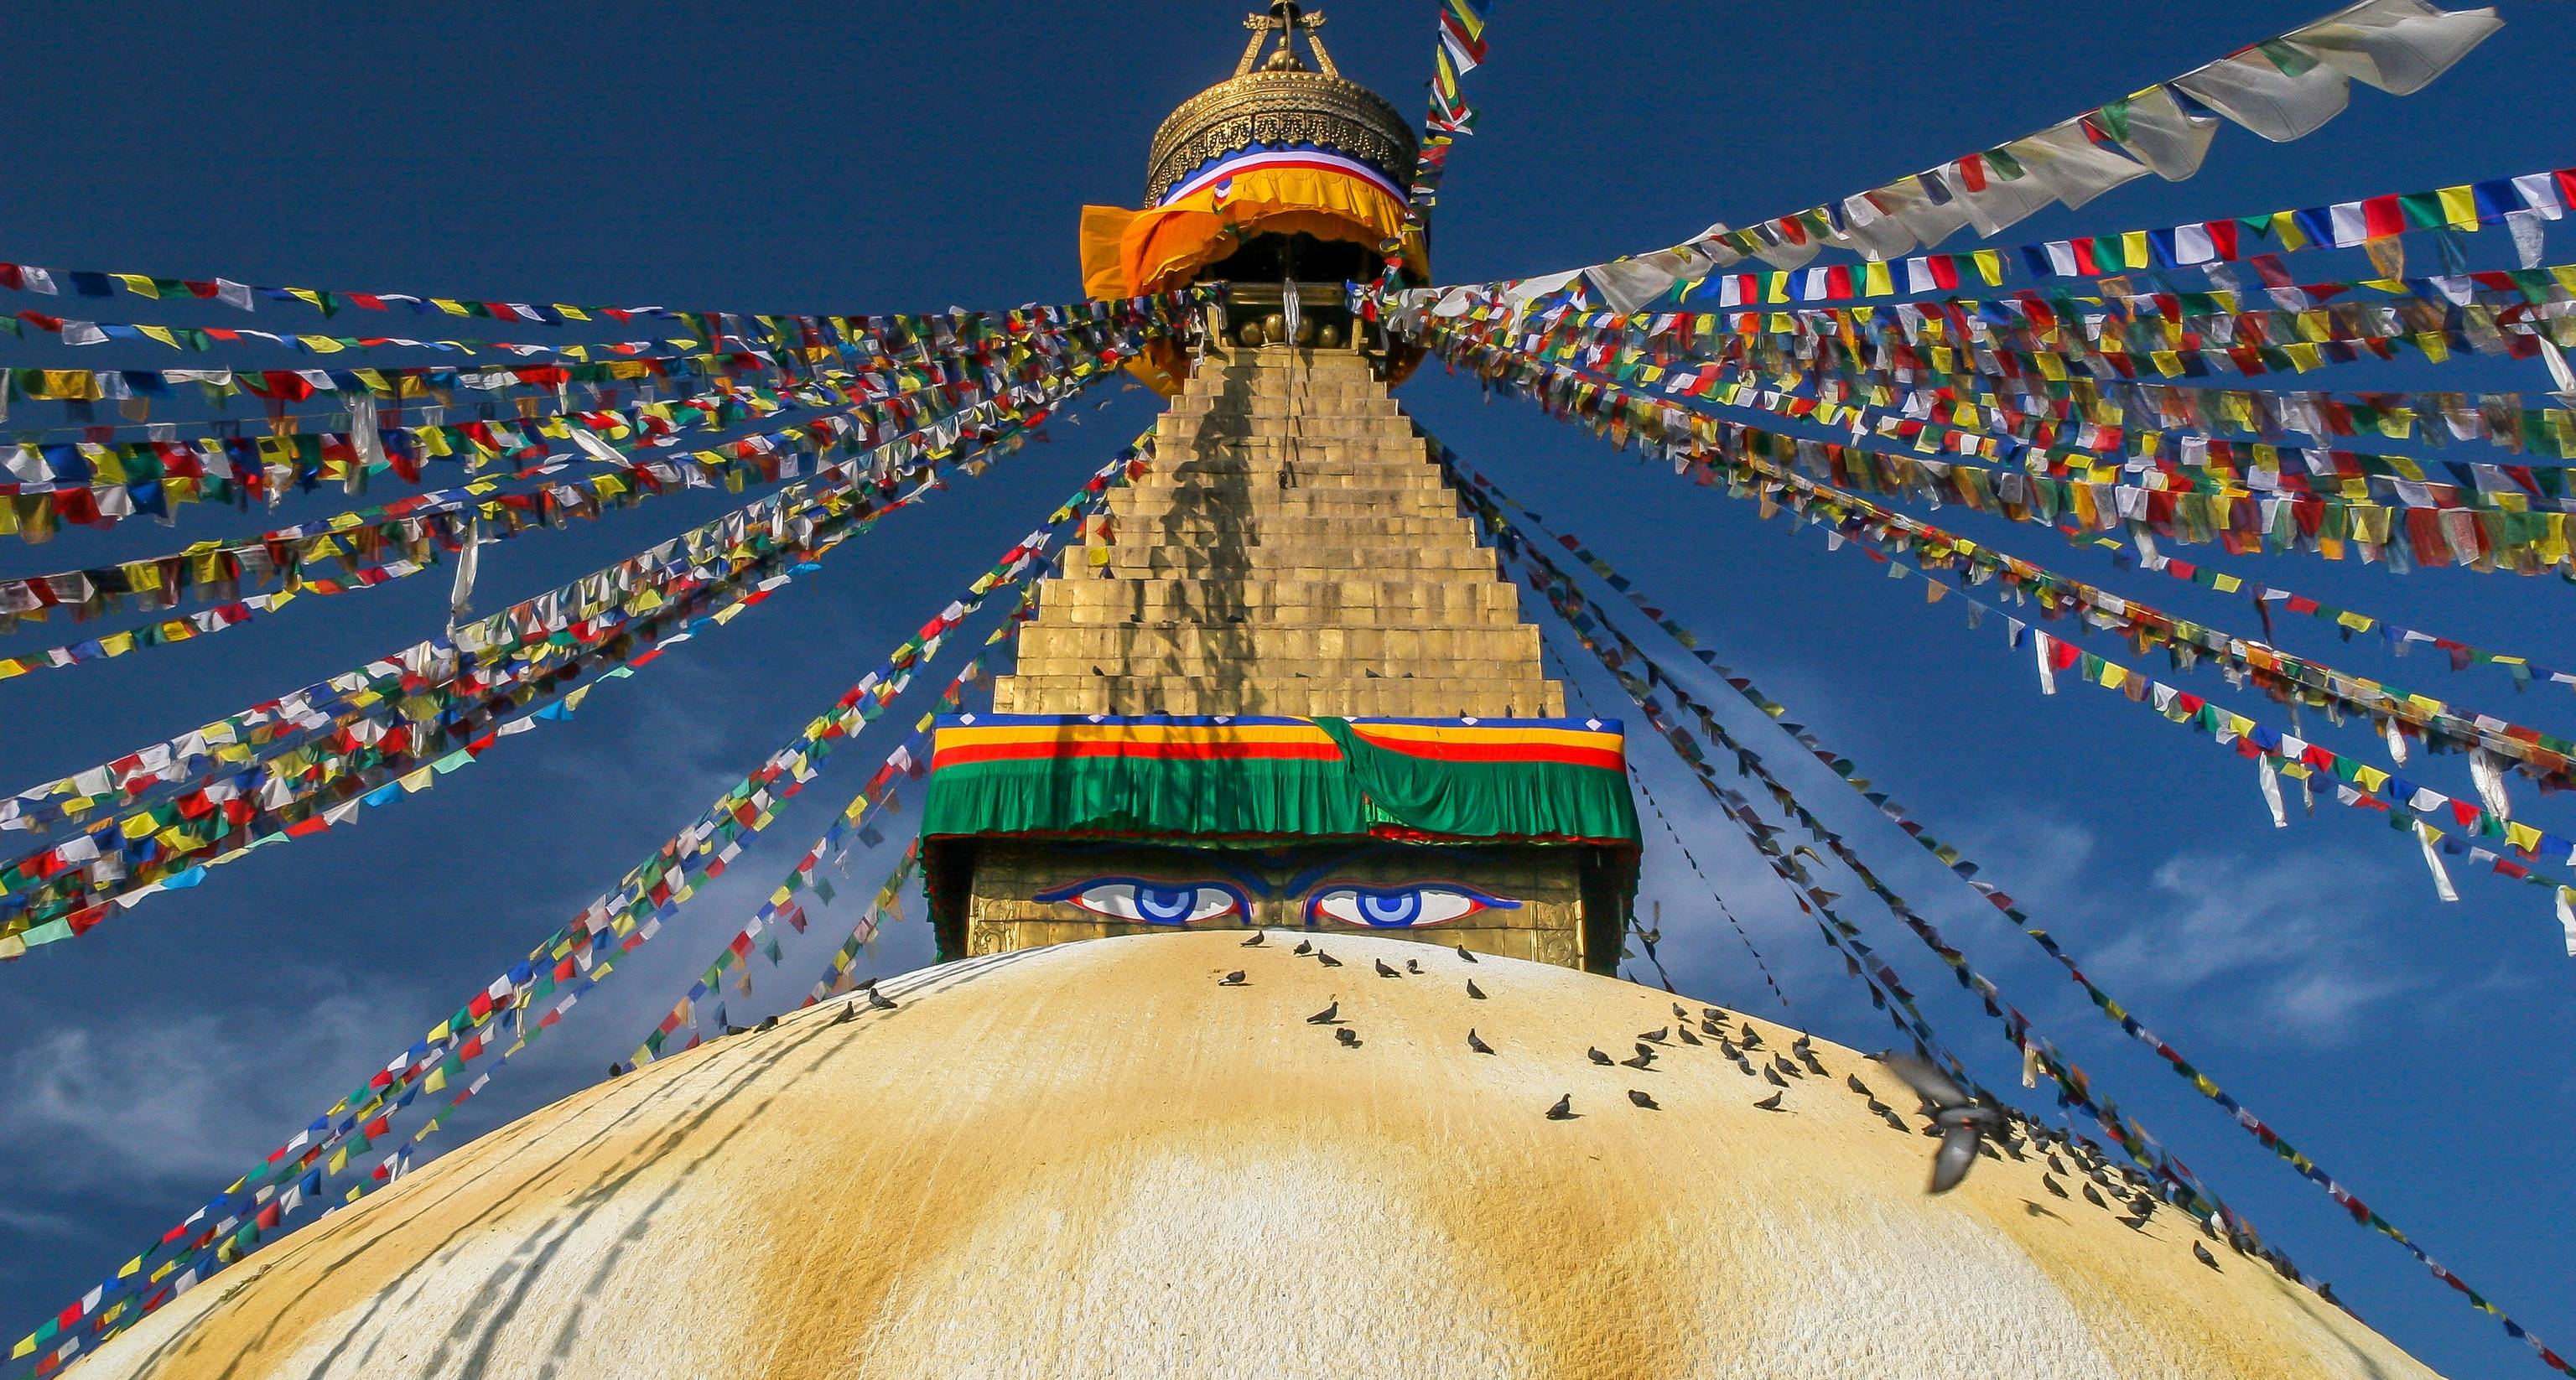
(1093, 1160)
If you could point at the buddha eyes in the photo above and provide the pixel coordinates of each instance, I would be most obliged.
(1150, 903)
(1401, 907)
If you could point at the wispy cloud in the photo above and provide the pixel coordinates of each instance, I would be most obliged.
(2285, 939)
(142, 1099)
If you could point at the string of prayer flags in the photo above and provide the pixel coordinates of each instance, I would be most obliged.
(417, 530)
(54, 282)
(2282, 88)
(1519, 541)
(575, 956)
(2076, 1088)
(45, 486)
(70, 887)
(888, 905)
(1746, 458)
(1461, 50)
(782, 904)
(2527, 542)
(2523, 203)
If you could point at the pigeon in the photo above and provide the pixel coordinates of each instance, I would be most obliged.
(1962, 1120)
(1330, 1015)
(1713, 1028)
(1474, 991)
(1659, 1035)
(767, 1023)
(616, 1069)
(849, 1012)
(1385, 971)
(1563, 1110)
(1639, 1062)
(1678, 1013)
(1475, 1044)
(1727, 1048)
(2137, 1223)
(1786, 1067)
(1304, 947)
(1771, 1103)
(2201, 1253)
(1462, 953)
(1596, 1056)
(2049, 1182)
(1852, 1081)
(1640, 1099)
(1255, 941)
(2053, 1165)
(1878, 1108)
(1752, 1038)
(1233, 979)
(1350, 1038)
(2094, 1196)
(1814, 1065)
(1772, 1076)
(1687, 1037)
(879, 1001)
(1413, 965)
(1329, 961)
(1802, 1044)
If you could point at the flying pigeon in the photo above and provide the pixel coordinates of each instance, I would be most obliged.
(1328, 1016)
(1640, 1099)
(1477, 1045)
(1962, 1120)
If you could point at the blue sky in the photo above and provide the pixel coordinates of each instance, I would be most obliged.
(773, 158)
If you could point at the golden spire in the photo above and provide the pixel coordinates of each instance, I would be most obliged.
(1287, 19)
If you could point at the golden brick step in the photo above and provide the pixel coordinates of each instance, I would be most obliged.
(1128, 504)
(1192, 649)
(1304, 697)
(1179, 527)
(1322, 562)
(1354, 601)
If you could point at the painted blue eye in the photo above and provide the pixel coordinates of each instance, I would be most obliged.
(1142, 902)
(1402, 907)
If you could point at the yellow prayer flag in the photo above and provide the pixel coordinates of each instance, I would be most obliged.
(162, 334)
(1876, 282)
(1990, 266)
(139, 285)
(450, 306)
(2133, 249)
(2460, 207)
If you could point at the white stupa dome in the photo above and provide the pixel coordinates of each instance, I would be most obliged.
(1092, 1160)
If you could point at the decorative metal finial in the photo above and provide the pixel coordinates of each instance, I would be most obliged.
(1287, 19)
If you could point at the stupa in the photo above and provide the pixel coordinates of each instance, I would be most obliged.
(1192, 1096)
